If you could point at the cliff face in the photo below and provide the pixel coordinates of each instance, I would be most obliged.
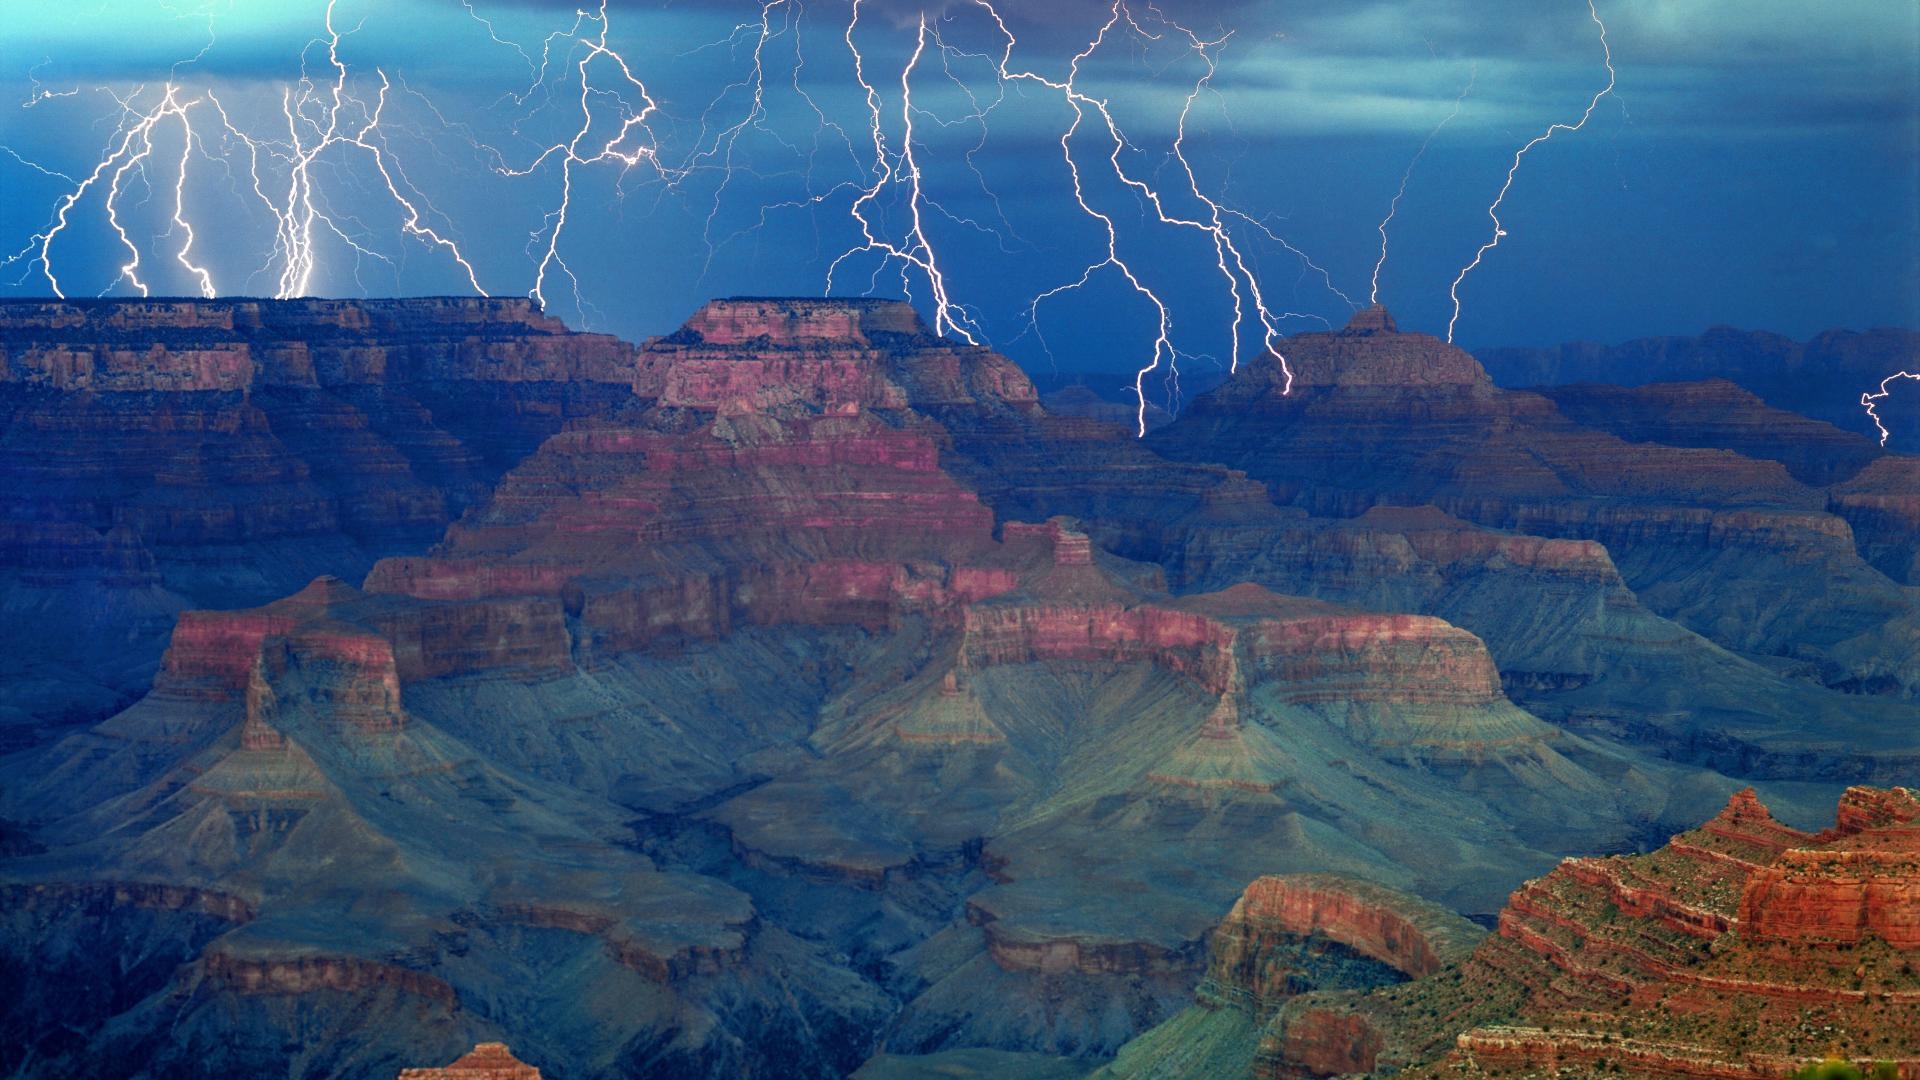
(156, 455)
(1410, 936)
(1717, 413)
(1289, 936)
(1741, 948)
(1716, 540)
(1882, 504)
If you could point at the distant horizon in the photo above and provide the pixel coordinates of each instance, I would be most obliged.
(1471, 349)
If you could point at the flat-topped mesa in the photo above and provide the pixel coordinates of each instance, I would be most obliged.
(783, 322)
(1372, 319)
(486, 1061)
(246, 315)
(1371, 351)
(1882, 503)
(1312, 652)
(753, 355)
(835, 355)
(234, 345)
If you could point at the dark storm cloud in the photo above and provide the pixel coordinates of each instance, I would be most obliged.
(1756, 164)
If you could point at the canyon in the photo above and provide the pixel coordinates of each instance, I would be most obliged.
(800, 693)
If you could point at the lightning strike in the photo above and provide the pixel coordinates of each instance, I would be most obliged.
(302, 209)
(316, 121)
(1230, 262)
(631, 144)
(1493, 211)
(1871, 400)
(917, 251)
(325, 125)
(133, 147)
(1393, 207)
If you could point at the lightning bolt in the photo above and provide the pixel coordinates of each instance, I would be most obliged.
(128, 154)
(631, 144)
(1393, 207)
(916, 252)
(1871, 400)
(316, 122)
(1493, 211)
(299, 213)
(1230, 262)
(324, 124)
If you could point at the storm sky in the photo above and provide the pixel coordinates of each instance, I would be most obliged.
(1756, 165)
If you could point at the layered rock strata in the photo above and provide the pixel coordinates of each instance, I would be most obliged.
(159, 455)
(1723, 543)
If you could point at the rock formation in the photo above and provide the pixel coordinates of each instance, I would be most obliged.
(799, 690)
(1726, 545)
(1821, 378)
(1741, 948)
(1285, 937)
(487, 1061)
(159, 455)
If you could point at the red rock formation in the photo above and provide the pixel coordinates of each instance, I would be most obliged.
(160, 455)
(1705, 958)
(213, 653)
(1409, 935)
(1742, 949)
(486, 1061)
(1272, 948)
(1327, 1042)
(1059, 955)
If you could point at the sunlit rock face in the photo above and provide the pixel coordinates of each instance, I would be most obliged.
(487, 1061)
(1703, 958)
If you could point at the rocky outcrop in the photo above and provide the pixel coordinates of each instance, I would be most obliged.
(175, 345)
(1882, 505)
(1703, 958)
(1249, 965)
(486, 1061)
(1742, 948)
(213, 653)
(1289, 936)
(1323, 1042)
(1376, 417)
(294, 977)
(167, 454)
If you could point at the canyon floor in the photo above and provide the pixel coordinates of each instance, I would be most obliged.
(802, 694)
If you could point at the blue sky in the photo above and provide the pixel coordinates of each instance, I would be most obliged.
(1756, 166)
